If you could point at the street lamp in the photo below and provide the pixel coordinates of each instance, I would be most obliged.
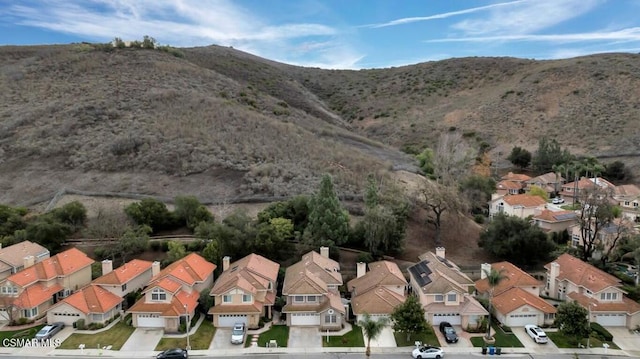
(187, 325)
(589, 325)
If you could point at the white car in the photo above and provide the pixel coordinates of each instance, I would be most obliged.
(238, 333)
(427, 352)
(536, 333)
(557, 200)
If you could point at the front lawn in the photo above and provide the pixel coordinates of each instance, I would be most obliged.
(279, 333)
(563, 341)
(116, 336)
(354, 338)
(200, 340)
(503, 340)
(427, 337)
(23, 333)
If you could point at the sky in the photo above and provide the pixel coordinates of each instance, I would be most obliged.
(339, 34)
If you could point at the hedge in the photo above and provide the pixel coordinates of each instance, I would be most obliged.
(602, 332)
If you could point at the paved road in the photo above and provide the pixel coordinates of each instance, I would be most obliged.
(374, 356)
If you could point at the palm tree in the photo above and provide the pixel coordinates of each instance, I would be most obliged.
(372, 329)
(558, 169)
(494, 278)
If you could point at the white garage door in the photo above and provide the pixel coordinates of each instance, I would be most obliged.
(305, 319)
(520, 320)
(66, 318)
(452, 318)
(150, 321)
(612, 320)
(228, 320)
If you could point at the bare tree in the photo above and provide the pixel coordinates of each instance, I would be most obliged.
(8, 303)
(108, 223)
(596, 212)
(617, 229)
(453, 158)
(439, 198)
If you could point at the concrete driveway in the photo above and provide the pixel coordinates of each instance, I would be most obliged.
(625, 339)
(463, 338)
(142, 339)
(301, 337)
(531, 345)
(222, 340)
(384, 340)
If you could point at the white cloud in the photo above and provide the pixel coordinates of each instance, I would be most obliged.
(626, 35)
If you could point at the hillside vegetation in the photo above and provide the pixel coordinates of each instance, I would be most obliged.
(220, 123)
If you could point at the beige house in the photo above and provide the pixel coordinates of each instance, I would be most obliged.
(555, 221)
(504, 188)
(569, 278)
(444, 291)
(379, 291)
(245, 291)
(550, 182)
(127, 278)
(311, 291)
(31, 292)
(519, 205)
(607, 236)
(12, 258)
(516, 299)
(93, 304)
(571, 191)
(173, 294)
(628, 198)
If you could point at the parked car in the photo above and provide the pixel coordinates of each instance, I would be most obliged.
(48, 331)
(173, 354)
(557, 200)
(238, 333)
(427, 352)
(537, 334)
(448, 332)
(627, 269)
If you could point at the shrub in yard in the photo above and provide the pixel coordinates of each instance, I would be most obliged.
(602, 332)
(80, 324)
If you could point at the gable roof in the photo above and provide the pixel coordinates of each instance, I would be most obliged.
(627, 191)
(515, 177)
(62, 264)
(381, 273)
(174, 308)
(627, 305)
(251, 273)
(515, 297)
(92, 299)
(515, 277)
(438, 275)
(547, 178)
(583, 274)
(125, 272)
(37, 294)
(556, 216)
(582, 183)
(507, 185)
(525, 200)
(314, 270)
(189, 270)
(378, 301)
(14, 255)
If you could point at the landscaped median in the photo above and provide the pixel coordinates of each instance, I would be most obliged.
(354, 338)
(116, 336)
(279, 333)
(200, 340)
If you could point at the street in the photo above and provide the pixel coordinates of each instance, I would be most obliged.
(374, 356)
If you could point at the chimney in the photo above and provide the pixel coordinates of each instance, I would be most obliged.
(155, 268)
(29, 261)
(484, 267)
(324, 251)
(107, 266)
(226, 262)
(554, 271)
(440, 252)
(361, 269)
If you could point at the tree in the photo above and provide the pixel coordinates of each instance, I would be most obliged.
(617, 231)
(107, 224)
(11, 220)
(426, 162)
(452, 159)
(328, 221)
(409, 318)
(73, 214)
(616, 171)
(47, 231)
(520, 157)
(537, 191)
(118, 43)
(439, 198)
(494, 278)
(477, 192)
(372, 329)
(548, 154)
(176, 251)
(148, 42)
(190, 212)
(11, 309)
(295, 209)
(211, 252)
(150, 212)
(596, 212)
(572, 319)
(133, 241)
(516, 239)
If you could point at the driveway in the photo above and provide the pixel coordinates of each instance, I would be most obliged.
(531, 345)
(222, 340)
(384, 340)
(301, 337)
(463, 338)
(142, 339)
(625, 339)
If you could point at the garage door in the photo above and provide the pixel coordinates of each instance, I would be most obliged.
(305, 319)
(612, 320)
(520, 320)
(228, 320)
(453, 318)
(150, 321)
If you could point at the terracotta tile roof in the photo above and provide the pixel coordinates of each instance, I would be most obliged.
(381, 273)
(124, 273)
(627, 190)
(514, 298)
(62, 264)
(556, 216)
(92, 299)
(251, 273)
(583, 274)
(37, 294)
(240, 308)
(167, 283)
(582, 184)
(313, 269)
(516, 177)
(190, 269)
(525, 200)
(173, 309)
(515, 277)
(547, 178)
(14, 255)
(378, 301)
(625, 306)
(506, 185)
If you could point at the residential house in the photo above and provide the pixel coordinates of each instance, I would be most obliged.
(571, 191)
(92, 304)
(173, 293)
(516, 299)
(311, 291)
(569, 278)
(520, 179)
(245, 291)
(628, 198)
(519, 205)
(129, 277)
(33, 290)
(555, 221)
(12, 258)
(504, 188)
(379, 291)
(444, 291)
(550, 182)
(607, 236)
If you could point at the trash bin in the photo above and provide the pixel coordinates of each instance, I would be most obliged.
(484, 350)
(498, 351)
(492, 350)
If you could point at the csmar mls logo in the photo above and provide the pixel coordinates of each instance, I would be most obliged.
(30, 343)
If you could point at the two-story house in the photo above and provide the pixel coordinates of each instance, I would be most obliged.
(129, 277)
(605, 239)
(628, 198)
(569, 278)
(572, 191)
(518, 178)
(504, 188)
(444, 291)
(173, 294)
(519, 205)
(12, 258)
(516, 299)
(34, 289)
(245, 291)
(311, 291)
(377, 292)
(550, 182)
(555, 221)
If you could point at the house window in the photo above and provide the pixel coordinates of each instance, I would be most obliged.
(158, 294)
(246, 298)
(97, 317)
(298, 298)
(452, 297)
(311, 299)
(226, 298)
(9, 290)
(608, 296)
(331, 318)
(124, 287)
(635, 204)
(626, 203)
(270, 286)
(588, 292)
(439, 298)
(29, 313)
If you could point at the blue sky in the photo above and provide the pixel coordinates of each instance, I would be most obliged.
(342, 34)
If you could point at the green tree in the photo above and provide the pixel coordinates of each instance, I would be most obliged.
(11, 220)
(538, 191)
(148, 42)
(133, 241)
(296, 209)
(150, 212)
(549, 153)
(517, 240)
(477, 190)
(328, 221)
(211, 252)
(520, 157)
(176, 251)
(409, 317)
(379, 228)
(47, 231)
(118, 43)
(73, 214)
(616, 171)
(283, 227)
(372, 329)
(205, 301)
(572, 319)
(426, 162)
(597, 212)
(494, 278)
(371, 198)
(190, 212)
